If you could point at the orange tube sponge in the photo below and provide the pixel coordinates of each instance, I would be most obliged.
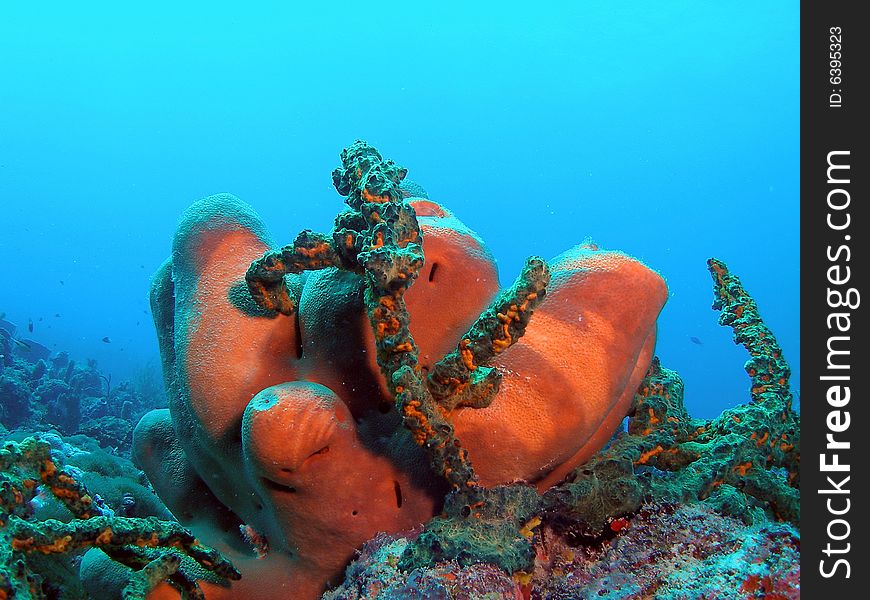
(287, 401)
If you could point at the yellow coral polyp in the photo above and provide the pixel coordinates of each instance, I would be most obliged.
(24, 545)
(390, 326)
(425, 430)
(319, 249)
(526, 531)
(369, 197)
(467, 355)
(58, 546)
(105, 537)
(60, 492)
(644, 457)
(500, 345)
(49, 469)
(152, 541)
(743, 468)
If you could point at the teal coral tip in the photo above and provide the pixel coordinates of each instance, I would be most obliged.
(366, 177)
(766, 366)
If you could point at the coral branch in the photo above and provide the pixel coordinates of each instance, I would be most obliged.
(123, 539)
(147, 578)
(462, 378)
(380, 239)
(766, 366)
(24, 466)
(111, 533)
(392, 256)
(265, 277)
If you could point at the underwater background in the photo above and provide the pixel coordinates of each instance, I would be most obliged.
(666, 130)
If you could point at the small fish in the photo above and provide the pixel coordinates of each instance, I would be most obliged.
(2, 315)
(61, 281)
(30, 325)
(107, 340)
(695, 340)
(20, 344)
(56, 314)
(39, 319)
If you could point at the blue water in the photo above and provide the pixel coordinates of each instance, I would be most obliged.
(668, 130)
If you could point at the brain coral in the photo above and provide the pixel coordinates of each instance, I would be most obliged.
(284, 424)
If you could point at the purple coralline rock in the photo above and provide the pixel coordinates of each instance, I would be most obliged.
(676, 552)
(376, 576)
(665, 552)
(14, 398)
(673, 552)
(63, 405)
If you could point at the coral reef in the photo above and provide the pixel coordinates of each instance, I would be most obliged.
(745, 462)
(281, 397)
(317, 398)
(665, 551)
(58, 393)
(492, 526)
(14, 398)
(376, 575)
(26, 543)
